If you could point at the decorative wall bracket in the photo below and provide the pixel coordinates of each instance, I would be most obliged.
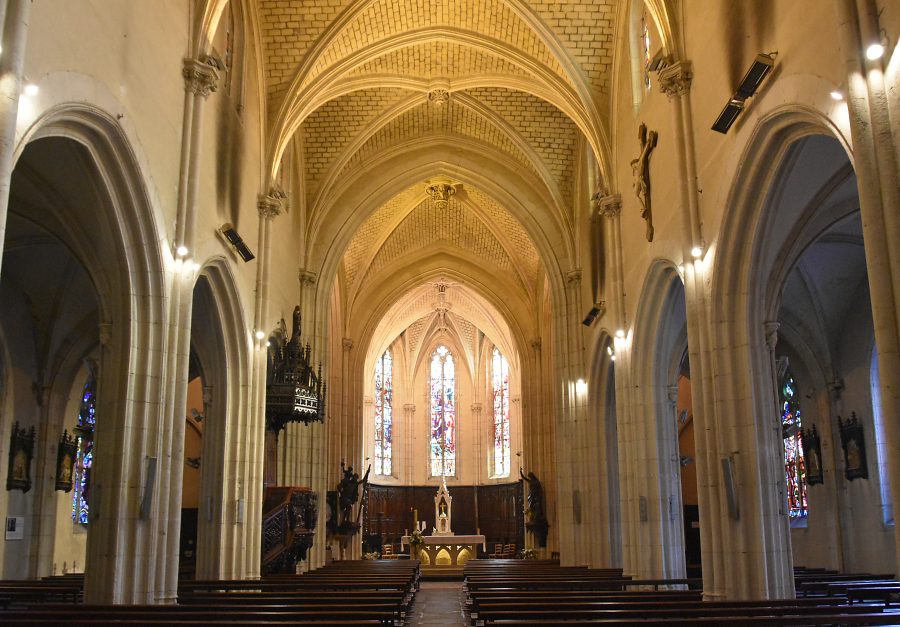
(854, 444)
(21, 452)
(66, 451)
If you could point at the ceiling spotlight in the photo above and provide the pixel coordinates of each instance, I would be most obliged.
(836, 95)
(31, 89)
(696, 252)
(620, 333)
(609, 351)
(875, 51)
(260, 335)
(181, 251)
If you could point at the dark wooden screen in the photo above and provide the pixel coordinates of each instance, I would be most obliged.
(500, 511)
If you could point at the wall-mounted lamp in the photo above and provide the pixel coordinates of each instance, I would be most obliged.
(836, 95)
(182, 251)
(874, 52)
(696, 252)
(236, 242)
(580, 386)
(594, 313)
(620, 333)
(748, 86)
(260, 335)
(30, 90)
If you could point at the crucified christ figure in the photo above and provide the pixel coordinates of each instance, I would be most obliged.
(641, 169)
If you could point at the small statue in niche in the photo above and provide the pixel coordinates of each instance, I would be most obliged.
(812, 446)
(641, 169)
(854, 444)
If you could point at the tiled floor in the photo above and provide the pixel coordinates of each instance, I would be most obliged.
(438, 603)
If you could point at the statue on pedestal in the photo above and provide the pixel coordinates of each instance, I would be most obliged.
(536, 518)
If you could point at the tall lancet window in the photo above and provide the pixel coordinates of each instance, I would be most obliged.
(384, 412)
(85, 443)
(500, 385)
(443, 413)
(645, 47)
(794, 463)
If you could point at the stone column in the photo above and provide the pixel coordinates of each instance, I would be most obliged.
(409, 419)
(15, 34)
(875, 163)
(244, 510)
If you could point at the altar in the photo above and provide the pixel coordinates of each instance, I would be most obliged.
(448, 550)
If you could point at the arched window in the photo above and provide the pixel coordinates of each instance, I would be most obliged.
(884, 477)
(500, 386)
(384, 412)
(85, 442)
(645, 42)
(794, 463)
(443, 413)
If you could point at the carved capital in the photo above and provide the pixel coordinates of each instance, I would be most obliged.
(515, 400)
(272, 204)
(675, 80)
(409, 408)
(608, 206)
(347, 343)
(476, 408)
(200, 77)
(771, 330)
(307, 278)
(536, 343)
(573, 276)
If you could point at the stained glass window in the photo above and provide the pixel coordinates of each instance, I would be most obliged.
(794, 463)
(443, 413)
(85, 440)
(384, 416)
(500, 386)
(645, 47)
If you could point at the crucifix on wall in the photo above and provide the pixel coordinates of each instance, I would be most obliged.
(641, 169)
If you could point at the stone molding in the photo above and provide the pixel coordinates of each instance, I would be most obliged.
(675, 80)
(200, 77)
(271, 205)
(609, 206)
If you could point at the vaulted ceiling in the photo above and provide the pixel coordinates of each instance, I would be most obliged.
(353, 84)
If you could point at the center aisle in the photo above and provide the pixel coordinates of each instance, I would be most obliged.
(438, 603)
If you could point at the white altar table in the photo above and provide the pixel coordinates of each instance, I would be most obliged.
(448, 550)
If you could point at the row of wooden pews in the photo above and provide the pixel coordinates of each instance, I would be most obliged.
(855, 587)
(519, 592)
(344, 593)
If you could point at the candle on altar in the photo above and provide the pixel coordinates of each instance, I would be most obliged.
(416, 518)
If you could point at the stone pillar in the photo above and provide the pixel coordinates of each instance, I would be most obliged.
(15, 34)
(875, 163)
(409, 419)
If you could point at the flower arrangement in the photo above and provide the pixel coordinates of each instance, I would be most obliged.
(374, 555)
(529, 554)
(416, 542)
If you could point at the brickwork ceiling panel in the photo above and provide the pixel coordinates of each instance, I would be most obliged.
(427, 119)
(336, 123)
(289, 28)
(548, 130)
(374, 230)
(384, 19)
(512, 230)
(454, 226)
(587, 30)
(439, 59)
